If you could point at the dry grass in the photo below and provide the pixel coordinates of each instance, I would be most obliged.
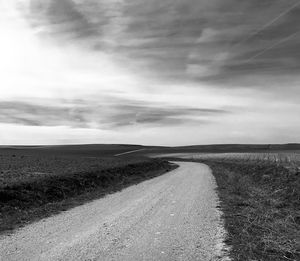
(261, 205)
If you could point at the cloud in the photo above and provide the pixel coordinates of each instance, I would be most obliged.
(268, 47)
(91, 23)
(200, 41)
(61, 18)
(158, 115)
(208, 35)
(39, 115)
(85, 114)
(205, 40)
(180, 63)
(191, 41)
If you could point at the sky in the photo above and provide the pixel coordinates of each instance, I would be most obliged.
(153, 72)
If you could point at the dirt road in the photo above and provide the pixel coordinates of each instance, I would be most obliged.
(171, 217)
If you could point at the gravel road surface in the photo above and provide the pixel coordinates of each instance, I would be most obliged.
(171, 217)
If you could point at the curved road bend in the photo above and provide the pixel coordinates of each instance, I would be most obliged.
(171, 217)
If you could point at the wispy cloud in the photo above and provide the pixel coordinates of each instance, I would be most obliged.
(61, 18)
(103, 116)
(38, 115)
(204, 40)
(162, 116)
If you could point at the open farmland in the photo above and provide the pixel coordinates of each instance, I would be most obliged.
(279, 157)
(287, 159)
(37, 183)
(25, 168)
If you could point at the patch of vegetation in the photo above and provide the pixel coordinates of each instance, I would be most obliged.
(46, 188)
(21, 168)
(261, 205)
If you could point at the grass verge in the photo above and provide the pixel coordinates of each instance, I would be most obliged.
(261, 206)
(24, 202)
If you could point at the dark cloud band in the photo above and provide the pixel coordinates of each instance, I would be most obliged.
(84, 115)
(190, 40)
